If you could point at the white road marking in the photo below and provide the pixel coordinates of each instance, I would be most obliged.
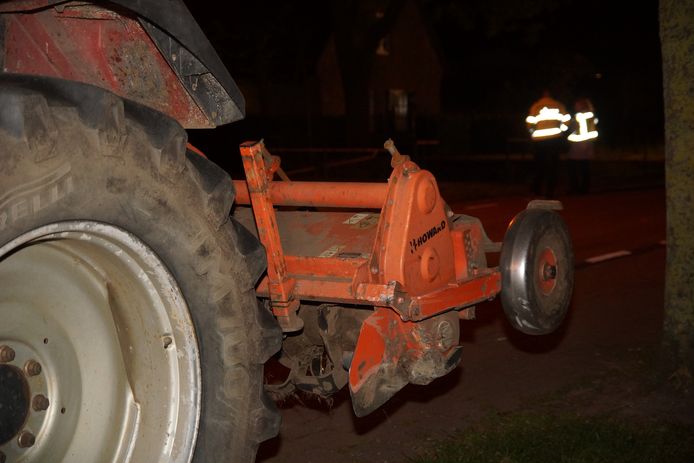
(608, 256)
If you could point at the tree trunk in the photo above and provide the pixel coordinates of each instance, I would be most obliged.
(677, 38)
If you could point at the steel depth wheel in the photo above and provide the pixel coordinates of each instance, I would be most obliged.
(537, 271)
(102, 340)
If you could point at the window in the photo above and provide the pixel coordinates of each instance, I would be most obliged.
(383, 48)
(398, 107)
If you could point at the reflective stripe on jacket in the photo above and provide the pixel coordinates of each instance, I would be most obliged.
(584, 127)
(547, 118)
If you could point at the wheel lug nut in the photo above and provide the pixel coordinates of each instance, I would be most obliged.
(26, 439)
(40, 402)
(6, 354)
(32, 368)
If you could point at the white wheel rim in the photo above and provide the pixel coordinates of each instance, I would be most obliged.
(107, 322)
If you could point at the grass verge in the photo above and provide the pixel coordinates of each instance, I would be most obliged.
(536, 437)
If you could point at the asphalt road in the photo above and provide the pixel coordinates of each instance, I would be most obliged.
(616, 310)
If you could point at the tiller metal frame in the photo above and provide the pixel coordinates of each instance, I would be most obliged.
(419, 265)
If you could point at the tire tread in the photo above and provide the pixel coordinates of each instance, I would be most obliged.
(43, 113)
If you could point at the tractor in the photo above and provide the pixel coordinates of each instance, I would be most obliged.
(142, 290)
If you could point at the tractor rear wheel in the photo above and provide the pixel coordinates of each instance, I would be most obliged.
(129, 326)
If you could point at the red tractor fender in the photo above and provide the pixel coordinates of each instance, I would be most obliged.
(137, 49)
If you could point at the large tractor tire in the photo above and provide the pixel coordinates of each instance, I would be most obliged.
(129, 327)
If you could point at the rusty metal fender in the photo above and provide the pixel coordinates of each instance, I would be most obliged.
(182, 43)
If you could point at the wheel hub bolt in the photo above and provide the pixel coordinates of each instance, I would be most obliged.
(6, 354)
(26, 439)
(32, 368)
(40, 403)
(549, 272)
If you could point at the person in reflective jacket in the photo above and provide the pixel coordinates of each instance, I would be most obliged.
(547, 120)
(581, 150)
